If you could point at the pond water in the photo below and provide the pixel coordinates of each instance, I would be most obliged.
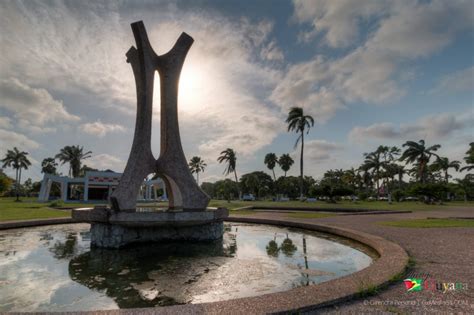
(53, 268)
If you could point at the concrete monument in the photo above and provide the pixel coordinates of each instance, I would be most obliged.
(188, 217)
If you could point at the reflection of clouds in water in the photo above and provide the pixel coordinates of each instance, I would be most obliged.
(38, 260)
(326, 258)
(32, 280)
(249, 251)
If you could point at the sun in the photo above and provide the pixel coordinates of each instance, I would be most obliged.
(192, 86)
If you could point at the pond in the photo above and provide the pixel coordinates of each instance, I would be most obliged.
(53, 268)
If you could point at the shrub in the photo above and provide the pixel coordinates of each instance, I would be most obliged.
(56, 203)
(398, 194)
(363, 196)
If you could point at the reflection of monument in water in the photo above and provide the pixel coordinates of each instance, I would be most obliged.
(188, 217)
(148, 275)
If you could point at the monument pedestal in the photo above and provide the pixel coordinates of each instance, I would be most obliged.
(111, 229)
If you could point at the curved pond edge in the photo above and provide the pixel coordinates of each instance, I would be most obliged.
(391, 263)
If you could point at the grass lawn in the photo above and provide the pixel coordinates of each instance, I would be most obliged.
(430, 223)
(379, 205)
(27, 210)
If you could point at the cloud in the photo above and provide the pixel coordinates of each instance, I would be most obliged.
(271, 52)
(100, 129)
(373, 72)
(105, 161)
(418, 29)
(10, 139)
(431, 127)
(33, 108)
(223, 86)
(459, 81)
(323, 86)
(5, 122)
(339, 20)
(317, 150)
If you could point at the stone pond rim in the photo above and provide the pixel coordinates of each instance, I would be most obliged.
(392, 261)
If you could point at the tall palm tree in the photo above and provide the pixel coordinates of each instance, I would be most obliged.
(298, 122)
(196, 165)
(373, 162)
(350, 178)
(444, 164)
(48, 166)
(17, 160)
(418, 152)
(73, 155)
(285, 161)
(270, 161)
(469, 158)
(399, 171)
(228, 156)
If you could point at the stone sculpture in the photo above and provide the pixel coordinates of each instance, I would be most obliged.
(191, 220)
(183, 191)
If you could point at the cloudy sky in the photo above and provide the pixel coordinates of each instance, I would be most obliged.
(370, 72)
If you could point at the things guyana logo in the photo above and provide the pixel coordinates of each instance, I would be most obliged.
(413, 284)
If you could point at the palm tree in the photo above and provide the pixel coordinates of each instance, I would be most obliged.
(298, 122)
(469, 158)
(228, 156)
(285, 161)
(444, 164)
(196, 165)
(418, 152)
(17, 160)
(48, 166)
(73, 155)
(399, 170)
(270, 161)
(350, 178)
(372, 162)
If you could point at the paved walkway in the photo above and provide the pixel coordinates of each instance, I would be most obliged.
(442, 254)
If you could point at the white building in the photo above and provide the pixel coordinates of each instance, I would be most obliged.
(96, 186)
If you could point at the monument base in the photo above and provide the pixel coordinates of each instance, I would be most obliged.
(116, 236)
(112, 229)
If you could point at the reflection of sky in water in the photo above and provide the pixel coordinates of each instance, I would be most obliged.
(53, 269)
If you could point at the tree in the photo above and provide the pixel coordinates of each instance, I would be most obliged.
(258, 183)
(469, 158)
(372, 162)
(73, 155)
(467, 186)
(17, 160)
(332, 185)
(288, 185)
(270, 161)
(28, 187)
(444, 164)
(86, 168)
(5, 182)
(209, 189)
(285, 161)
(226, 188)
(298, 122)
(196, 165)
(49, 166)
(399, 171)
(228, 156)
(418, 152)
